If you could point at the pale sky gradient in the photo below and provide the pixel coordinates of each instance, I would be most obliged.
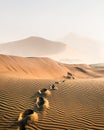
(52, 19)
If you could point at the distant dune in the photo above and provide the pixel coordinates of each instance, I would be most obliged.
(32, 64)
(40, 47)
(31, 47)
(99, 68)
(98, 65)
(91, 49)
(83, 71)
(70, 49)
(77, 104)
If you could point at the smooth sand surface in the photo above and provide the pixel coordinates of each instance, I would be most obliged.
(40, 68)
(78, 104)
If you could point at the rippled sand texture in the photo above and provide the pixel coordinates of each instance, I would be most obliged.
(76, 105)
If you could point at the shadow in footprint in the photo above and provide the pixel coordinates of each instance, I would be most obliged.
(42, 103)
(26, 117)
(42, 93)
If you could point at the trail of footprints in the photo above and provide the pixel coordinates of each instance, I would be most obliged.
(41, 104)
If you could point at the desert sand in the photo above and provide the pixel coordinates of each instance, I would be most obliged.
(77, 104)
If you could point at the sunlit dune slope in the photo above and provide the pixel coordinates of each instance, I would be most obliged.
(42, 68)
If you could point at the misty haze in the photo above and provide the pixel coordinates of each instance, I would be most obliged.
(52, 65)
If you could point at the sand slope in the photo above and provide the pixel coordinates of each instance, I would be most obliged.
(42, 68)
(76, 105)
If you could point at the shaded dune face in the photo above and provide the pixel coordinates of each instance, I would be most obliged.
(76, 105)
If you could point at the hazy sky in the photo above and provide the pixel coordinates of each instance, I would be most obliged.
(52, 19)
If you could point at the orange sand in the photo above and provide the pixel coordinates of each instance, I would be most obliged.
(77, 104)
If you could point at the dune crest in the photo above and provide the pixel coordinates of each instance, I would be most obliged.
(32, 46)
(42, 68)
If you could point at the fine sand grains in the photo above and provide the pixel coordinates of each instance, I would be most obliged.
(76, 105)
(31, 116)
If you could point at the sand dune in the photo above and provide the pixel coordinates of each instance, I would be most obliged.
(37, 46)
(99, 68)
(90, 48)
(71, 49)
(41, 68)
(77, 104)
(32, 47)
(83, 71)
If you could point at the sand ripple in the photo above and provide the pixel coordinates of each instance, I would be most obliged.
(76, 105)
